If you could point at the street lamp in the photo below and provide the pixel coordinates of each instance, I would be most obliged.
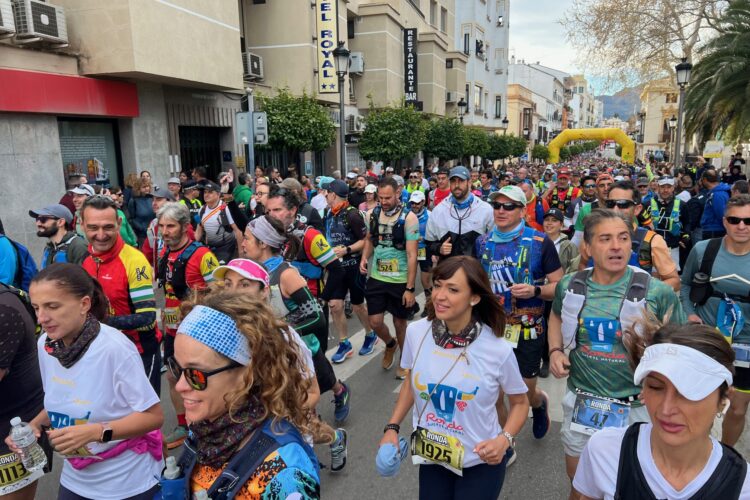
(341, 54)
(505, 125)
(461, 109)
(683, 71)
(672, 125)
(526, 133)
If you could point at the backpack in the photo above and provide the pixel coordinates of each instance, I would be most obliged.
(26, 301)
(398, 233)
(179, 285)
(223, 219)
(25, 266)
(707, 265)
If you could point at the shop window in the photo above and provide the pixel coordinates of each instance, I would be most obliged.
(91, 148)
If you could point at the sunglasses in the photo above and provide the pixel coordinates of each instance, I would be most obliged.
(589, 186)
(621, 204)
(197, 379)
(736, 220)
(508, 206)
(44, 219)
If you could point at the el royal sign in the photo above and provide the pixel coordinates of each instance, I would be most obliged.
(326, 14)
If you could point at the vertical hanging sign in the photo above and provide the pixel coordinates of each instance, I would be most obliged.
(326, 12)
(410, 65)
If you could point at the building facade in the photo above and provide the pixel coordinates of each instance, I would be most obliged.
(547, 93)
(659, 102)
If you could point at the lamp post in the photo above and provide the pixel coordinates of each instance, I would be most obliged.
(683, 78)
(672, 125)
(341, 54)
(505, 125)
(461, 109)
(526, 136)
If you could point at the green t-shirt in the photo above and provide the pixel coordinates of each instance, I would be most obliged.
(389, 264)
(599, 363)
(582, 213)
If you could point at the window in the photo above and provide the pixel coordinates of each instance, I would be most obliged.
(498, 106)
(433, 12)
(466, 30)
(350, 29)
(90, 147)
(671, 98)
(448, 63)
(477, 98)
(444, 20)
(499, 58)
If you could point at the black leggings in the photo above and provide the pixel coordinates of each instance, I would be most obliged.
(480, 482)
(66, 494)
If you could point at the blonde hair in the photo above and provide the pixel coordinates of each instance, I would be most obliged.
(274, 373)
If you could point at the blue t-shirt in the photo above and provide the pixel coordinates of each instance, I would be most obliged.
(8, 261)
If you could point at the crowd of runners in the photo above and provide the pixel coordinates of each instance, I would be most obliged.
(628, 281)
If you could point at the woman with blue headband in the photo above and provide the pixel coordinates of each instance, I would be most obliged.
(245, 402)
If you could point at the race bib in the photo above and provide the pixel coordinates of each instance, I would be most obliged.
(741, 355)
(512, 333)
(13, 475)
(422, 254)
(430, 447)
(388, 267)
(171, 317)
(594, 413)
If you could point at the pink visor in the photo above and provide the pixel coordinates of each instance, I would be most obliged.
(246, 268)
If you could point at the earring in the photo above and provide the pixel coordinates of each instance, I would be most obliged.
(473, 303)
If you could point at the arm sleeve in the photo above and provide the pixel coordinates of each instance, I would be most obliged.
(719, 204)
(14, 329)
(141, 291)
(510, 376)
(318, 249)
(308, 317)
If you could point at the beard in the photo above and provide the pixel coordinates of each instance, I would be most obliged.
(47, 232)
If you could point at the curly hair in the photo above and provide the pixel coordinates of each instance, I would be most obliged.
(274, 373)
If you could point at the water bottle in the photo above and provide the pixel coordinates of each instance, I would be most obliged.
(32, 455)
(172, 471)
(200, 495)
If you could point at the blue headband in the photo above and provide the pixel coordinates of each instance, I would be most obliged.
(217, 331)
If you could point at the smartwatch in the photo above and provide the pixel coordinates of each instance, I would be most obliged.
(412, 289)
(348, 250)
(392, 427)
(511, 439)
(537, 291)
(106, 433)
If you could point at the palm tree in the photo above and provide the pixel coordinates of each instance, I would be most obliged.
(718, 99)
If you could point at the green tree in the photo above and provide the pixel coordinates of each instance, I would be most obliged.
(476, 142)
(499, 147)
(618, 150)
(518, 146)
(565, 153)
(540, 152)
(392, 133)
(444, 139)
(575, 150)
(297, 123)
(716, 102)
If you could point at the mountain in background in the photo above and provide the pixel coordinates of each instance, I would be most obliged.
(624, 103)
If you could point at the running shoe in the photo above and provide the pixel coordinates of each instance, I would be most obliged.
(369, 344)
(541, 418)
(175, 438)
(401, 373)
(344, 351)
(389, 357)
(341, 405)
(338, 451)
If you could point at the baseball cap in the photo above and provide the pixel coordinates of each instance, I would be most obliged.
(556, 213)
(339, 188)
(693, 373)
(459, 171)
(389, 169)
(211, 186)
(248, 269)
(604, 177)
(371, 188)
(351, 175)
(563, 172)
(83, 189)
(190, 185)
(416, 197)
(160, 192)
(57, 210)
(174, 180)
(642, 181)
(399, 180)
(324, 181)
(666, 180)
(515, 193)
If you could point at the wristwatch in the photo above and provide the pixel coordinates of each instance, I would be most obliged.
(537, 291)
(106, 433)
(348, 250)
(511, 439)
(412, 289)
(392, 427)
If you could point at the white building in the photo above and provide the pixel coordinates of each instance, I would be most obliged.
(548, 93)
(482, 34)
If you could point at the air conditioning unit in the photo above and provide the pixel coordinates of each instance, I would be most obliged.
(335, 117)
(450, 97)
(359, 124)
(252, 65)
(356, 63)
(39, 21)
(7, 24)
(350, 122)
(352, 94)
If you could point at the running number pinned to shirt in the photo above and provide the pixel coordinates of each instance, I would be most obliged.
(431, 447)
(593, 413)
(171, 317)
(388, 267)
(512, 334)
(422, 254)
(741, 355)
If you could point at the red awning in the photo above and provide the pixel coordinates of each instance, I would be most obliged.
(38, 92)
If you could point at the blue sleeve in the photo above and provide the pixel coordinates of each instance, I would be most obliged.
(8, 261)
(719, 204)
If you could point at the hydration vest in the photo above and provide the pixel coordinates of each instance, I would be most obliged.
(338, 233)
(564, 204)
(574, 299)
(398, 233)
(177, 280)
(61, 252)
(725, 482)
(674, 226)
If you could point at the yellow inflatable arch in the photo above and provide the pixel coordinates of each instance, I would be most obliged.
(592, 134)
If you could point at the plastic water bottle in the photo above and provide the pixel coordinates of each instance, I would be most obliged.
(200, 495)
(172, 471)
(32, 455)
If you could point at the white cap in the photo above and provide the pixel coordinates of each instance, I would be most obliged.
(351, 175)
(416, 197)
(694, 374)
(515, 193)
(665, 180)
(83, 189)
(371, 188)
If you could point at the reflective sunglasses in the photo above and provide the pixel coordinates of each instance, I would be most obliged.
(736, 220)
(46, 218)
(197, 379)
(621, 204)
(589, 186)
(508, 206)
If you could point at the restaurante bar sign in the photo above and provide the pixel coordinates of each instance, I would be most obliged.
(410, 65)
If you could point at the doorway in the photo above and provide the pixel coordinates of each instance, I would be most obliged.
(201, 146)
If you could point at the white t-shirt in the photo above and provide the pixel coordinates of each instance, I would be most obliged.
(596, 476)
(466, 397)
(309, 367)
(212, 225)
(319, 203)
(106, 384)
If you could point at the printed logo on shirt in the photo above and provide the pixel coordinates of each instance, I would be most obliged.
(141, 273)
(60, 420)
(603, 333)
(446, 400)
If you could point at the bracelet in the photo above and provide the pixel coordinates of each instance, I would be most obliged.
(411, 290)
(556, 349)
(392, 427)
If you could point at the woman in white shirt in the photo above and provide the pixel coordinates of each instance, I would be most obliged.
(686, 372)
(97, 399)
(459, 367)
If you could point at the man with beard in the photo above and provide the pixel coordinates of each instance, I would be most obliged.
(64, 245)
(357, 193)
(601, 189)
(456, 224)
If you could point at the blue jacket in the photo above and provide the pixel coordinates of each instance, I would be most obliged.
(716, 203)
(8, 261)
(141, 214)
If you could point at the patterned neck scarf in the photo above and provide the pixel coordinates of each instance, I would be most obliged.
(69, 355)
(447, 340)
(218, 441)
(393, 211)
